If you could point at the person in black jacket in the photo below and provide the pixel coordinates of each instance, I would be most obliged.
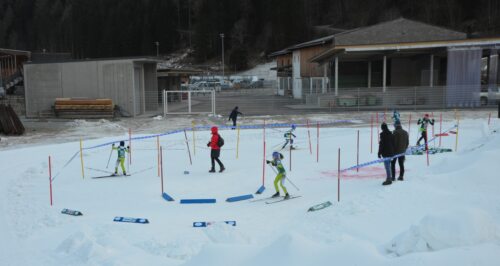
(234, 116)
(386, 150)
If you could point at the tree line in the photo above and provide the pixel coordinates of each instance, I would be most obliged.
(252, 28)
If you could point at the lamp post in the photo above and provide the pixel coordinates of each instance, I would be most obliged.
(222, 39)
(157, 48)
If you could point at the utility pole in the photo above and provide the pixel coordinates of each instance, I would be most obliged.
(157, 48)
(222, 38)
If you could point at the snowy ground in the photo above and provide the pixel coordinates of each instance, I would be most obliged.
(444, 214)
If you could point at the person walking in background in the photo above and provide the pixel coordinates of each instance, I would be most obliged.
(424, 122)
(401, 142)
(281, 176)
(386, 150)
(121, 156)
(289, 137)
(234, 116)
(215, 144)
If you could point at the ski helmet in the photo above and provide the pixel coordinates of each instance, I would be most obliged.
(426, 115)
(122, 143)
(293, 126)
(276, 155)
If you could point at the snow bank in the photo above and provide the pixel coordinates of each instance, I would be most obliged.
(446, 230)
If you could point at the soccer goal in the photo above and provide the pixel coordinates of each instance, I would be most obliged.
(189, 102)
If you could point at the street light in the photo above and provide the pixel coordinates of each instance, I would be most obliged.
(157, 48)
(222, 39)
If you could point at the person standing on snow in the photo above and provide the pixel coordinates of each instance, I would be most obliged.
(289, 137)
(386, 151)
(215, 143)
(401, 142)
(121, 156)
(281, 176)
(234, 116)
(396, 117)
(424, 122)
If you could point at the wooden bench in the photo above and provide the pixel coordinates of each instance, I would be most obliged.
(84, 108)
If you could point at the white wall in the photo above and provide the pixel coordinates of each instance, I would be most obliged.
(297, 81)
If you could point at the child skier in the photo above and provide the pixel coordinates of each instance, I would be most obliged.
(281, 176)
(288, 137)
(396, 117)
(424, 122)
(121, 156)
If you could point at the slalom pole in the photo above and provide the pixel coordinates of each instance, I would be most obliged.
(357, 153)
(81, 158)
(50, 180)
(109, 159)
(371, 134)
(409, 127)
(309, 135)
(194, 140)
(456, 135)
(264, 154)
(317, 142)
(427, 150)
(158, 153)
(338, 179)
(440, 127)
(238, 143)
(432, 136)
(130, 146)
(489, 118)
(290, 138)
(187, 145)
(286, 178)
(161, 166)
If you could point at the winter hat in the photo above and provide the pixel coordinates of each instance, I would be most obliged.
(384, 126)
(426, 115)
(236, 108)
(214, 130)
(122, 143)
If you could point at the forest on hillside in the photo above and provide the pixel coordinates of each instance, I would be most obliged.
(110, 28)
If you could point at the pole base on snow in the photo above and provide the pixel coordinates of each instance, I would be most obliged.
(239, 198)
(260, 190)
(167, 197)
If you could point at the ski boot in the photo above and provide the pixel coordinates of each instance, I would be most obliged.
(287, 196)
(277, 194)
(387, 182)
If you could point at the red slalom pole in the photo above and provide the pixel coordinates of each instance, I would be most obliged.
(440, 127)
(161, 166)
(50, 180)
(371, 134)
(378, 132)
(309, 134)
(317, 143)
(489, 118)
(357, 153)
(130, 146)
(432, 136)
(338, 179)
(264, 154)
(409, 127)
(427, 151)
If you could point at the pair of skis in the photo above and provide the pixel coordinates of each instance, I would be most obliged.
(271, 200)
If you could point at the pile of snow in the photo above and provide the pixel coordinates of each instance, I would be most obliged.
(446, 230)
(102, 123)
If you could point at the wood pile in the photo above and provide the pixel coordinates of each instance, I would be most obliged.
(10, 124)
(84, 108)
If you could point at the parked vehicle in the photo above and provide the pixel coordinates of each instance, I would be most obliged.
(491, 96)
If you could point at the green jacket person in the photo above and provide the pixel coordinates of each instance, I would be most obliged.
(121, 156)
(281, 176)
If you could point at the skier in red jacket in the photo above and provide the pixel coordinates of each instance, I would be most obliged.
(215, 144)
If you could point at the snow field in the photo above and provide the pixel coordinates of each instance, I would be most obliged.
(445, 213)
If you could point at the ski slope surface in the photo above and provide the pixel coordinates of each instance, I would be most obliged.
(447, 213)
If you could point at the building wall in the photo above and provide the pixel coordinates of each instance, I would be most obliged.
(151, 87)
(112, 79)
(297, 79)
(308, 69)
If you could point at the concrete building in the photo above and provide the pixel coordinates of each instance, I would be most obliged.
(130, 82)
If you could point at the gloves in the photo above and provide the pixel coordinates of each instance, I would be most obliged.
(208, 144)
(268, 162)
(379, 155)
(112, 145)
(128, 147)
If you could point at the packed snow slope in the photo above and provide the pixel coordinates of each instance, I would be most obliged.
(447, 213)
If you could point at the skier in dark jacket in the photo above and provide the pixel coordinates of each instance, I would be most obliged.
(424, 122)
(234, 116)
(215, 150)
(401, 142)
(386, 150)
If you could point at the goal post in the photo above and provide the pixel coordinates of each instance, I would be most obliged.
(189, 102)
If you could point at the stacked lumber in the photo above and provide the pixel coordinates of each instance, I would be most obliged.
(83, 108)
(10, 124)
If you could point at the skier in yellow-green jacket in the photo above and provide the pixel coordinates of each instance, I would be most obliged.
(121, 156)
(281, 176)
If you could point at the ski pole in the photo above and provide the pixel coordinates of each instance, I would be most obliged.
(274, 170)
(111, 152)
